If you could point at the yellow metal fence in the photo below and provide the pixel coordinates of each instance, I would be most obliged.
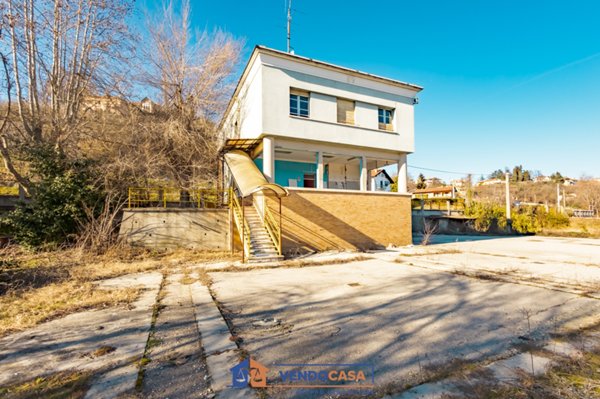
(166, 197)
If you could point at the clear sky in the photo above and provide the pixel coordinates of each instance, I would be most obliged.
(505, 82)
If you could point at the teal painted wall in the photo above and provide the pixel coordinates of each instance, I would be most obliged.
(286, 170)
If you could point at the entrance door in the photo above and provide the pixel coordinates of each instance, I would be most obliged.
(309, 180)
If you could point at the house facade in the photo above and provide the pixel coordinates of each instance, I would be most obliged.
(318, 129)
(380, 180)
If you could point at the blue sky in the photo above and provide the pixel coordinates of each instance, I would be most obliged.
(506, 82)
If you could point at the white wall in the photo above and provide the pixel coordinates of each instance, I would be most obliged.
(343, 176)
(247, 109)
(264, 110)
(322, 124)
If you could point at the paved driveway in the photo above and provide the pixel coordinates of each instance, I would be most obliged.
(419, 312)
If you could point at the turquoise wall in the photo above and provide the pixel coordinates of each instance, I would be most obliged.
(286, 170)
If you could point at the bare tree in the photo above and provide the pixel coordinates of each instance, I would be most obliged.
(54, 54)
(192, 72)
(588, 192)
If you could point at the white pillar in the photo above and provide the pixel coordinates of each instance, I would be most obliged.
(402, 174)
(363, 173)
(269, 158)
(320, 170)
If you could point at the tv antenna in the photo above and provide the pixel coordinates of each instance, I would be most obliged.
(289, 26)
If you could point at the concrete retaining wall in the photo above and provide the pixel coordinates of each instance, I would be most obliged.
(319, 220)
(171, 228)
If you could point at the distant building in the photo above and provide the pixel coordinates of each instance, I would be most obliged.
(542, 179)
(569, 182)
(148, 106)
(380, 180)
(434, 182)
(103, 103)
(436, 192)
(489, 182)
(117, 104)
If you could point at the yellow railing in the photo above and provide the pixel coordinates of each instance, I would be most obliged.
(240, 222)
(168, 197)
(273, 228)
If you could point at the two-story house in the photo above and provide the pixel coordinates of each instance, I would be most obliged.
(317, 131)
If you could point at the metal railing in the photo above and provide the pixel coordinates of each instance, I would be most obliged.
(455, 204)
(168, 197)
(273, 227)
(240, 221)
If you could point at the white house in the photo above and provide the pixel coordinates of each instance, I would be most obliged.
(380, 180)
(314, 127)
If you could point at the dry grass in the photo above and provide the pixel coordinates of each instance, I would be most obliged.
(578, 227)
(36, 287)
(22, 310)
(68, 384)
(287, 264)
(441, 251)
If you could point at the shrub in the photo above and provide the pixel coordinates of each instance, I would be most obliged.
(556, 219)
(62, 188)
(527, 220)
(486, 215)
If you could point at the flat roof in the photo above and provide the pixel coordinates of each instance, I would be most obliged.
(328, 65)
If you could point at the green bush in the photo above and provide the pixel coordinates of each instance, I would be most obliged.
(486, 215)
(556, 219)
(61, 188)
(527, 220)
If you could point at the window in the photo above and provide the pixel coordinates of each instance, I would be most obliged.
(385, 119)
(299, 103)
(345, 111)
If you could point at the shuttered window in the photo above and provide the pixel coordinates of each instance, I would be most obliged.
(345, 111)
(385, 119)
(299, 102)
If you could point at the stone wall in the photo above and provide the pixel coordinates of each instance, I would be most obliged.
(318, 220)
(171, 228)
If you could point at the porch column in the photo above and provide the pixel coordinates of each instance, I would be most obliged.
(363, 173)
(320, 170)
(402, 174)
(269, 158)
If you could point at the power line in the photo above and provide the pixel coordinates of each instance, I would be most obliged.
(445, 171)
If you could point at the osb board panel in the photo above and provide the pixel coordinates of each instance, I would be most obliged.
(319, 220)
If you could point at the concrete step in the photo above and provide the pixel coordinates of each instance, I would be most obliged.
(253, 259)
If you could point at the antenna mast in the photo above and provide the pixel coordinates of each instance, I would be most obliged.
(289, 24)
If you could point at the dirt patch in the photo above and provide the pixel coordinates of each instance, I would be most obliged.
(40, 286)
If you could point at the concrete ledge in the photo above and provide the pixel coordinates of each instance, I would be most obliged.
(349, 192)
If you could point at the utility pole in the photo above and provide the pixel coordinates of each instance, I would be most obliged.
(557, 197)
(506, 177)
(289, 25)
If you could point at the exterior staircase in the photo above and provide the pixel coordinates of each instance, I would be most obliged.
(262, 248)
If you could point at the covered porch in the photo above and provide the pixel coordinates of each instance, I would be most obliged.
(324, 166)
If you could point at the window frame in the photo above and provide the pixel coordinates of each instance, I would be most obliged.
(389, 127)
(299, 97)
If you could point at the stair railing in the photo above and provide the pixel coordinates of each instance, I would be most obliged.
(240, 221)
(273, 228)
